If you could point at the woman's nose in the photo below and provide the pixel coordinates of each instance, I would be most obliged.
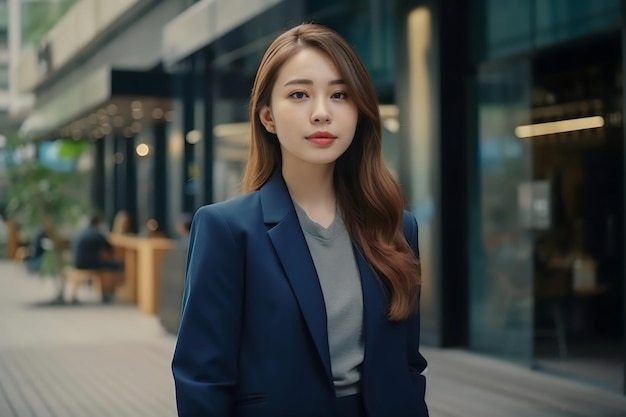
(320, 114)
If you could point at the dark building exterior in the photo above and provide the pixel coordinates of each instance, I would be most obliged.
(503, 122)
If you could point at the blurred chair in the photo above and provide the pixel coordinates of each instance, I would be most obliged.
(75, 277)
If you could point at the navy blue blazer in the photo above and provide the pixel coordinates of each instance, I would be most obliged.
(253, 340)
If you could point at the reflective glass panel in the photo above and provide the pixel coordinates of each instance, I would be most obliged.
(501, 282)
(559, 20)
(519, 26)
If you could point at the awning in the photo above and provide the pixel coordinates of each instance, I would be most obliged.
(104, 101)
(206, 21)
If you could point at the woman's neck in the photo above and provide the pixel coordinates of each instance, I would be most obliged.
(312, 188)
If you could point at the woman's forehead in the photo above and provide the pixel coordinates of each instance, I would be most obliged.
(308, 64)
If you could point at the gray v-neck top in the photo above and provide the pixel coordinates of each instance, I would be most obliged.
(338, 273)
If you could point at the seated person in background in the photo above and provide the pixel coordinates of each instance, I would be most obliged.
(36, 249)
(92, 250)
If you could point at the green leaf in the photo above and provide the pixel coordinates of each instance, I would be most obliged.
(35, 192)
(72, 149)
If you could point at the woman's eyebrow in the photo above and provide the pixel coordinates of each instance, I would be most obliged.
(310, 82)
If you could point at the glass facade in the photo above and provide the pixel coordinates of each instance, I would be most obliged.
(370, 27)
(517, 26)
(176, 150)
(501, 290)
(549, 140)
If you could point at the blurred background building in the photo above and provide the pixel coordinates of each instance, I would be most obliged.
(502, 120)
(4, 59)
(4, 77)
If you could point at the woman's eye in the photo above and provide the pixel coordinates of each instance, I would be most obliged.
(298, 95)
(340, 95)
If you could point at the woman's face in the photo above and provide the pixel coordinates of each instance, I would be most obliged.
(310, 112)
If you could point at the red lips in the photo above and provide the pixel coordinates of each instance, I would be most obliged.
(322, 135)
(322, 138)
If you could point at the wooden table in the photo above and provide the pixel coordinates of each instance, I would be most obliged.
(142, 268)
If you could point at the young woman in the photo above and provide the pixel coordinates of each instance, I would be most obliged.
(301, 295)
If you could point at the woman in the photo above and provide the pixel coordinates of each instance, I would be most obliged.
(301, 295)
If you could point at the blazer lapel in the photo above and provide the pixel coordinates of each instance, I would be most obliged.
(290, 245)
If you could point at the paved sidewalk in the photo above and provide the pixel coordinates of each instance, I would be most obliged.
(90, 360)
(96, 360)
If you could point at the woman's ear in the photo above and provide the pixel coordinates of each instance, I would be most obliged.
(265, 115)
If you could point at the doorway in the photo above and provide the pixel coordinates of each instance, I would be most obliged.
(578, 251)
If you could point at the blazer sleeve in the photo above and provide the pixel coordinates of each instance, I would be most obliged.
(205, 358)
(417, 363)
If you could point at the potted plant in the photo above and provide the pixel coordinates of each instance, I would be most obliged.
(44, 196)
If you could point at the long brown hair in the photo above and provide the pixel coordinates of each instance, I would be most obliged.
(367, 194)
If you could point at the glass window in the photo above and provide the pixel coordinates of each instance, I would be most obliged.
(517, 26)
(508, 26)
(371, 29)
(501, 286)
(559, 20)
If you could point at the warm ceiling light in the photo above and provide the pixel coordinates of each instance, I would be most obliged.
(158, 113)
(142, 149)
(136, 127)
(137, 114)
(152, 225)
(561, 126)
(193, 136)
